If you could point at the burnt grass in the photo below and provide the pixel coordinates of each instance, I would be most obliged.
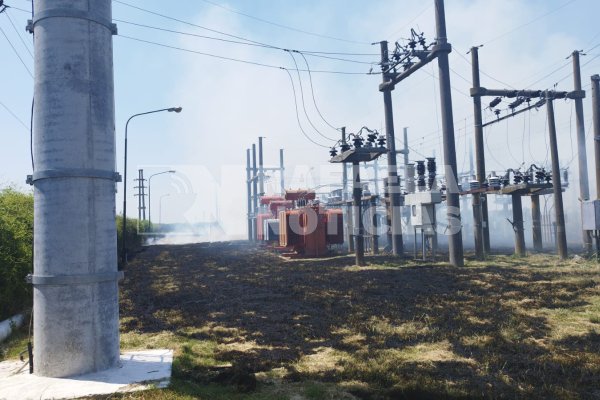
(492, 318)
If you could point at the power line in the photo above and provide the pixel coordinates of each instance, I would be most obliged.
(412, 19)
(516, 28)
(310, 53)
(191, 23)
(303, 103)
(458, 53)
(237, 59)
(14, 115)
(16, 52)
(312, 90)
(18, 9)
(18, 33)
(232, 10)
(297, 114)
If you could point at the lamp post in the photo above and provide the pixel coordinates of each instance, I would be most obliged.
(160, 207)
(149, 194)
(124, 223)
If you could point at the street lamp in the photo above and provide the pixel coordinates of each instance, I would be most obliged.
(160, 207)
(124, 224)
(149, 193)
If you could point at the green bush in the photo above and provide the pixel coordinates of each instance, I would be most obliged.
(16, 248)
(134, 239)
(16, 251)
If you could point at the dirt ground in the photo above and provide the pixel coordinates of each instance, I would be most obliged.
(494, 329)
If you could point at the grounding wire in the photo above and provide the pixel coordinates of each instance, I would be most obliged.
(296, 108)
(232, 10)
(303, 102)
(17, 8)
(312, 90)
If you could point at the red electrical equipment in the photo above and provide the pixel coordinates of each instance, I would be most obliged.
(305, 231)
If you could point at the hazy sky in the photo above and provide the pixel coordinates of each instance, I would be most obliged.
(227, 104)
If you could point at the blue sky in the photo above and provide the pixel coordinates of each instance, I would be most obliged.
(227, 104)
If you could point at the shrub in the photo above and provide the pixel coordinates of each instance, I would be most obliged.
(16, 251)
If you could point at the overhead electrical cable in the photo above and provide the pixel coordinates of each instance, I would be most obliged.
(233, 10)
(297, 114)
(14, 115)
(237, 59)
(16, 53)
(458, 53)
(312, 90)
(516, 28)
(303, 103)
(18, 33)
(310, 53)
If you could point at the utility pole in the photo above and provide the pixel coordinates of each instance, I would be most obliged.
(141, 187)
(75, 276)
(358, 221)
(584, 190)
(281, 172)
(249, 193)
(261, 171)
(393, 183)
(347, 209)
(536, 222)
(480, 208)
(254, 194)
(561, 235)
(452, 196)
(517, 224)
(596, 118)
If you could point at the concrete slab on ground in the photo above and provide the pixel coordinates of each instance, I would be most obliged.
(139, 370)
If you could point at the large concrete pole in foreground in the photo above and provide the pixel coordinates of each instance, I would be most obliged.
(75, 292)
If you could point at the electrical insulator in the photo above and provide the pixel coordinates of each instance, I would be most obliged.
(345, 147)
(358, 142)
(517, 178)
(495, 102)
(497, 112)
(381, 141)
(371, 137)
(431, 172)
(540, 175)
(410, 178)
(516, 103)
(548, 177)
(421, 175)
(333, 152)
(540, 103)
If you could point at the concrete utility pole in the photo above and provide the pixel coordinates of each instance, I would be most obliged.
(517, 224)
(249, 192)
(358, 221)
(141, 195)
(480, 208)
(536, 222)
(596, 118)
(584, 190)
(561, 234)
(75, 277)
(347, 210)
(261, 170)
(254, 194)
(393, 182)
(452, 197)
(281, 172)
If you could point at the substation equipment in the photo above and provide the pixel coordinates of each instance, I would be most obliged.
(533, 182)
(421, 203)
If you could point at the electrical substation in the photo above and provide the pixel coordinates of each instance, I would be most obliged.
(388, 208)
